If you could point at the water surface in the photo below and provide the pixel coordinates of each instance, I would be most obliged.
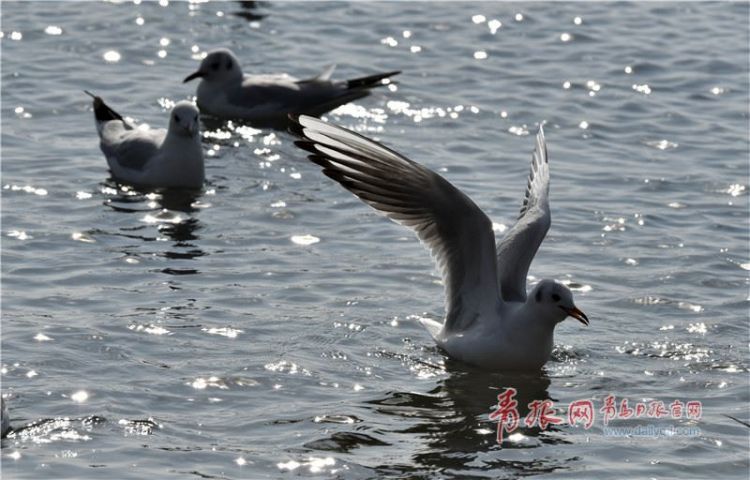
(266, 326)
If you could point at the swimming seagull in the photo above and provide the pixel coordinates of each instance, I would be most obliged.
(152, 157)
(490, 322)
(225, 92)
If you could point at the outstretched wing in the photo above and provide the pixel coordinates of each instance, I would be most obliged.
(458, 234)
(517, 248)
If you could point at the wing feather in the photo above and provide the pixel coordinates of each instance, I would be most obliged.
(457, 233)
(517, 248)
(131, 149)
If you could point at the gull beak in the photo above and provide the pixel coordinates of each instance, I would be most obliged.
(193, 76)
(577, 314)
(190, 129)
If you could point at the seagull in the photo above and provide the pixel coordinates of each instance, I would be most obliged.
(226, 93)
(152, 157)
(490, 321)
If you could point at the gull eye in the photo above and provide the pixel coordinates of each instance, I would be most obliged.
(229, 64)
(555, 297)
(215, 66)
(176, 118)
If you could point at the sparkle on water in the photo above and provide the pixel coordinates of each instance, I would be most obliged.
(79, 396)
(53, 30)
(112, 56)
(494, 25)
(264, 351)
(223, 331)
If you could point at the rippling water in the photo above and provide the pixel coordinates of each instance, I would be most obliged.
(266, 326)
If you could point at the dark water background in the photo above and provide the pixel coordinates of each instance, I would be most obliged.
(266, 327)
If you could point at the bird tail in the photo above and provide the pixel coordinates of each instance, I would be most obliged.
(102, 112)
(370, 81)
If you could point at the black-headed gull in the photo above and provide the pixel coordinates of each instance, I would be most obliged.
(225, 92)
(167, 158)
(490, 322)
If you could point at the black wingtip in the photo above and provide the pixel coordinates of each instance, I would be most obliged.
(294, 127)
(371, 81)
(321, 161)
(102, 112)
(306, 145)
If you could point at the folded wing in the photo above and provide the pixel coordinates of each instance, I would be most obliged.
(267, 96)
(131, 149)
(121, 142)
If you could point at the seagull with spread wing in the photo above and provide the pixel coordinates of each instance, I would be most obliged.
(490, 321)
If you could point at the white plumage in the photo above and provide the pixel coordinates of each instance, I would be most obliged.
(489, 320)
(171, 157)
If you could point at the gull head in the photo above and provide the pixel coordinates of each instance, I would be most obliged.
(555, 301)
(219, 66)
(183, 120)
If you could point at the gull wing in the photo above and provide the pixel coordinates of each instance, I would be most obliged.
(130, 149)
(103, 113)
(457, 233)
(266, 96)
(517, 248)
(121, 142)
(262, 97)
